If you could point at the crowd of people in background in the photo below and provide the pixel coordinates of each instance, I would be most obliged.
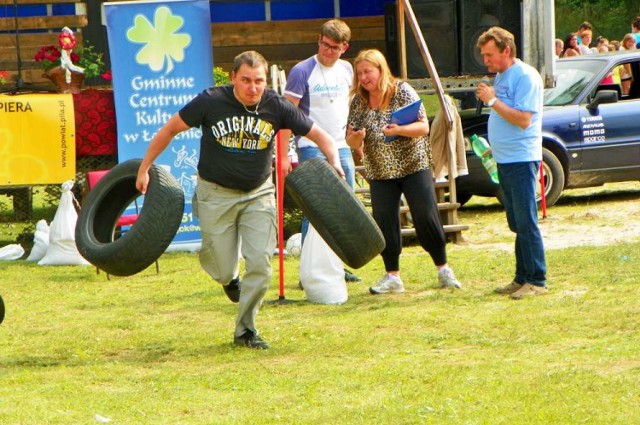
(581, 41)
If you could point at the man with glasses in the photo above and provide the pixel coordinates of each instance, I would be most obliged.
(320, 86)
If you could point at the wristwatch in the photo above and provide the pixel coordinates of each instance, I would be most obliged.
(491, 102)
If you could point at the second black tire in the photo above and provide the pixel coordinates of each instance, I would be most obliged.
(153, 231)
(335, 212)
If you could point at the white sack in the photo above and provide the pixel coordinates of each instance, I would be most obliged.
(40, 241)
(321, 271)
(11, 252)
(62, 233)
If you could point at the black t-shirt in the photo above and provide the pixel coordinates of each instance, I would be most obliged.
(236, 148)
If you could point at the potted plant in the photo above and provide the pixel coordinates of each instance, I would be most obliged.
(67, 66)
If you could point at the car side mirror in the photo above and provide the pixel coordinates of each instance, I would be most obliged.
(602, 96)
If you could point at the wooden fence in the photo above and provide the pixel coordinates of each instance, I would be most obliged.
(22, 37)
(287, 42)
(281, 42)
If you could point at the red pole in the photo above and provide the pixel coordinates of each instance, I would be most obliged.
(280, 202)
(543, 200)
(280, 205)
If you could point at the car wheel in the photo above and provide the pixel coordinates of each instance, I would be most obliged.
(553, 178)
(152, 232)
(335, 212)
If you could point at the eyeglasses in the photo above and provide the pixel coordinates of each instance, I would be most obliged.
(325, 45)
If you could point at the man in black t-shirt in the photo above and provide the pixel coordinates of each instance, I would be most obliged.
(235, 195)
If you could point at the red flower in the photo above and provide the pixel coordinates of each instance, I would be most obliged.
(49, 56)
(106, 75)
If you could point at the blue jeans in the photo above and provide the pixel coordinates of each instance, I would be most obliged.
(346, 161)
(518, 183)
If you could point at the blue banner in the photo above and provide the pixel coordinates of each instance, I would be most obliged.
(161, 58)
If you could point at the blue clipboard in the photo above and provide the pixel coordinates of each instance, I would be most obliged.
(405, 115)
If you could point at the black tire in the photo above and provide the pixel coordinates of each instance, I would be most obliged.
(553, 178)
(1, 310)
(148, 238)
(335, 212)
(461, 198)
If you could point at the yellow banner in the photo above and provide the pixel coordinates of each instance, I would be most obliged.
(37, 139)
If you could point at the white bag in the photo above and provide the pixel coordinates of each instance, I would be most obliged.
(62, 248)
(321, 271)
(40, 241)
(11, 252)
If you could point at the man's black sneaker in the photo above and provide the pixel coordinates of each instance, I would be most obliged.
(350, 277)
(251, 340)
(232, 289)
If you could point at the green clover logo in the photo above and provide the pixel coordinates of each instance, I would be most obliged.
(161, 40)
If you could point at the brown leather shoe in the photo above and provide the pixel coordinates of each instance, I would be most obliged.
(509, 289)
(528, 290)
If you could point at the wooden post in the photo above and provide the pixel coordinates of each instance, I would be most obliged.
(402, 41)
(403, 5)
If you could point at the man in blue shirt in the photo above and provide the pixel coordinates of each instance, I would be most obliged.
(515, 133)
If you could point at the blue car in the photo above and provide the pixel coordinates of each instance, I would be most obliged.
(590, 128)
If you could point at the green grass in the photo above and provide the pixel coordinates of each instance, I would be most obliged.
(431, 104)
(156, 348)
(44, 207)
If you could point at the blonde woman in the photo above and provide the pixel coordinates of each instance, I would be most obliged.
(402, 166)
(628, 42)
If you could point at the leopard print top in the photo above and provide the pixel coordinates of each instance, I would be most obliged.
(396, 159)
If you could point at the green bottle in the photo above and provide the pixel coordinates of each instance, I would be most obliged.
(482, 149)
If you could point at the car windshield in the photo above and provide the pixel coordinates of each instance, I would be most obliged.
(571, 78)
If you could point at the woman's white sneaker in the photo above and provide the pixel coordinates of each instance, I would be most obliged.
(447, 279)
(389, 283)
